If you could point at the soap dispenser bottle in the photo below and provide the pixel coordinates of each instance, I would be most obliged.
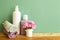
(25, 19)
(17, 18)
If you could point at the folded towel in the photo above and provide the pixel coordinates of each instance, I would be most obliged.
(9, 29)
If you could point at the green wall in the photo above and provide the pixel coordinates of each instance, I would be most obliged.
(45, 13)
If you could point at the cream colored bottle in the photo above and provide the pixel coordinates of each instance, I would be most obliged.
(17, 18)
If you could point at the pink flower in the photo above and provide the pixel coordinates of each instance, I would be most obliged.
(29, 24)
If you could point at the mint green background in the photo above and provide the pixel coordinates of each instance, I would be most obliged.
(45, 13)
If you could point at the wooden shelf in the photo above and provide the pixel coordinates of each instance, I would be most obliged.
(22, 37)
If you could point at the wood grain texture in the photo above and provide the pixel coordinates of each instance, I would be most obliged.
(22, 37)
(45, 34)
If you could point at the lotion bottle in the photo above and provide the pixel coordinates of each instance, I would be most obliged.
(17, 18)
(25, 19)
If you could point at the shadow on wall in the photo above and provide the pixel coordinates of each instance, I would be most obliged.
(1, 28)
(8, 17)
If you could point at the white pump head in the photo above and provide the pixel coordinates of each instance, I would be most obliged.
(16, 9)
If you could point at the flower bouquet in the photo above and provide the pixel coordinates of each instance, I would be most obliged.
(29, 26)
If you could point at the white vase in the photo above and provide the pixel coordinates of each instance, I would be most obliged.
(29, 32)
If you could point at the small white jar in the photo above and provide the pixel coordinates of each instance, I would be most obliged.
(29, 32)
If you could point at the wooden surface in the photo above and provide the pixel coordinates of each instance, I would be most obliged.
(21, 37)
(45, 34)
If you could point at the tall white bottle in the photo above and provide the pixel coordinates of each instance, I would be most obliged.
(17, 18)
(25, 19)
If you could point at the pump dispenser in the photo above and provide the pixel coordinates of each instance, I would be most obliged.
(17, 18)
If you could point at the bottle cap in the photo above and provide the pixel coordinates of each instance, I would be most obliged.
(16, 9)
(25, 17)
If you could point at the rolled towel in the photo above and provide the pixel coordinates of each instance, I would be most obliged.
(9, 29)
(12, 35)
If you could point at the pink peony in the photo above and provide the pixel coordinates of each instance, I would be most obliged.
(27, 24)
